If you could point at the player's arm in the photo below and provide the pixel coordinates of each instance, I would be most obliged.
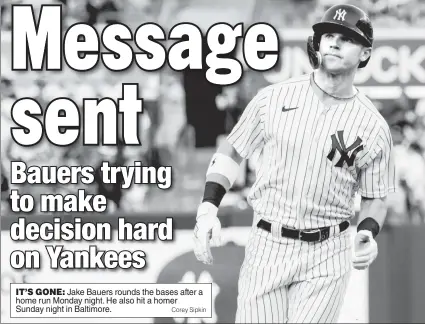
(373, 212)
(372, 216)
(377, 179)
(221, 174)
(245, 138)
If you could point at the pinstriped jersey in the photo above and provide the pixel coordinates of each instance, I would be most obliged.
(313, 157)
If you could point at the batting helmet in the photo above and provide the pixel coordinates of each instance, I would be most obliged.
(343, 18)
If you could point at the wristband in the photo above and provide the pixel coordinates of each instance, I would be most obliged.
(224, 165)
(213, 193)
(369, 224)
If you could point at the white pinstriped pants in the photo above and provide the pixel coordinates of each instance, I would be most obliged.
(285, 280)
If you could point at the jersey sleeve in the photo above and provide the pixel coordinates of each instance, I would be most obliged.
(248, 134)
(378, 175)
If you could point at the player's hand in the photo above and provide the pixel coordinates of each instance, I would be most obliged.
(207, 232)
(365, 250)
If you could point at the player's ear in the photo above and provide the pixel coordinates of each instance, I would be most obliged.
(365, 53)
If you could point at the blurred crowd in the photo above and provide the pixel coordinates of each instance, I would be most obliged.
(169, 130)
(303, 13)
(291, 13)
(406, 118)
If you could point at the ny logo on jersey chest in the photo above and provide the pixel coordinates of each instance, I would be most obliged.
(348, 154)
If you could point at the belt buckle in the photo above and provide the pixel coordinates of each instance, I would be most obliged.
(321, 238)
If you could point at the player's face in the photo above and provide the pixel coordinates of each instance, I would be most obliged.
(341, 53)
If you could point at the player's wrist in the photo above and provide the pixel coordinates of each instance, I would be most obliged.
(213, 193)
(369, 225)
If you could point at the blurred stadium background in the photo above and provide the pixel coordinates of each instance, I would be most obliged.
(185, 117)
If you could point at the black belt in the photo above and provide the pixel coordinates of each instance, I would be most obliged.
(316, 235)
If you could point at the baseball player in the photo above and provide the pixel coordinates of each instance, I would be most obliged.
(320, 141)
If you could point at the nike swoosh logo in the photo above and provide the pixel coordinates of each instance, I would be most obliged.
(288, 109)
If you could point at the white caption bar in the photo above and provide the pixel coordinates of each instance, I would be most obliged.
(110, 300)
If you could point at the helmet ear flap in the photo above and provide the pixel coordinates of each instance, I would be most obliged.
(313, 51)
(316, 41)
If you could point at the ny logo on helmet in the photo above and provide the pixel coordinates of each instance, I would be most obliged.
(340, 14)
(338, 144)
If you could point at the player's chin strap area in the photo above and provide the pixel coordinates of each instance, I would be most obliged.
(316, 235)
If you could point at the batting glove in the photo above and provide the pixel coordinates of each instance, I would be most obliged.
(365, 250)
(207, 232)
